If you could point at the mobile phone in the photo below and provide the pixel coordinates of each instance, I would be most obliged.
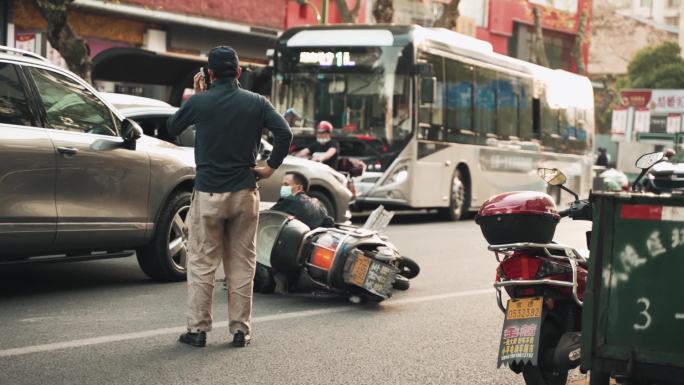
(207, 78)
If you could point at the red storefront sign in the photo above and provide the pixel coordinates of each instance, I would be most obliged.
(636, 98)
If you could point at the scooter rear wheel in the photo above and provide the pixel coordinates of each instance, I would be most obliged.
(401, 283)
(544, 373)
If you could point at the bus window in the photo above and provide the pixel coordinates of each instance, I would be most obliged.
(485, 102)
(432, 115)
(507, 106)
(525, 109)
(459, 96)
(550, 127)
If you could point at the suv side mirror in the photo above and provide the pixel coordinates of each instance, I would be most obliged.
(131, 131)
(428, 90)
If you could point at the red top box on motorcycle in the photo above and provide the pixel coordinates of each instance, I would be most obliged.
(522, 216)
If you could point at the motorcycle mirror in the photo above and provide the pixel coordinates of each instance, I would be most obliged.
(552, 176)
(647, 161)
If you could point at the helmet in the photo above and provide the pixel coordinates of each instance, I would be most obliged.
(324, 126)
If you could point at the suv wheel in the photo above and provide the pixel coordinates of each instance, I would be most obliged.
(164, 258)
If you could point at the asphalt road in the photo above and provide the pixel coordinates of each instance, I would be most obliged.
(104, 322)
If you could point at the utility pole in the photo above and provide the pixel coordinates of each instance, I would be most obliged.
(325, 12)
(4, 23)
(681, 27)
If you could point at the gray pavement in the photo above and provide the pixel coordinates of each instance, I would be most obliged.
(104, 322)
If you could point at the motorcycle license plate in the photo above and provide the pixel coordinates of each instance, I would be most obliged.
(521, 331)
(371, 275)
(359, 270)
(524, 308)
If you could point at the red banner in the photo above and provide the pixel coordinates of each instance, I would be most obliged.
(635, 98)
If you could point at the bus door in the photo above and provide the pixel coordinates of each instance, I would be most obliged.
(433, 170)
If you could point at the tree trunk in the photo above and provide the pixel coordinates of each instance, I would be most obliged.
(62, 37)
(383, 11)
(579, 43)
(538, 49)
(348, 15)
(449, 16)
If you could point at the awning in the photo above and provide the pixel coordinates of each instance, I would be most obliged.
(135, 65)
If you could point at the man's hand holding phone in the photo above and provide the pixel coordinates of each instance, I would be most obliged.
(198, 82)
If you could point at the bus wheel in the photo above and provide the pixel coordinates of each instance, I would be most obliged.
(458, 205)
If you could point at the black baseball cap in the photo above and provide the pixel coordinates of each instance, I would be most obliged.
(223, 61)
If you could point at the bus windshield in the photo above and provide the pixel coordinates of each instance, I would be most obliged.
(361, 91)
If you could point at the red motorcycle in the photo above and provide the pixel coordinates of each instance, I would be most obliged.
(544, 281)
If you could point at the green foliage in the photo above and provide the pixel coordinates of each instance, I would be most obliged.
(656, 67)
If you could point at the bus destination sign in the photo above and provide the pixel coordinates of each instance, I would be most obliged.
(327, 59)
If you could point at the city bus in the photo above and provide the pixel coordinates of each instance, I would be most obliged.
(459, 122)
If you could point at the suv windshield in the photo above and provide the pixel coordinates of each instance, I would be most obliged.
(361, 91)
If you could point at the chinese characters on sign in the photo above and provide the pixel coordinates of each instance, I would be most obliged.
(520, 335)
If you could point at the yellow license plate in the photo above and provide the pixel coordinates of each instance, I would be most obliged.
(524, 308)
(359, 270)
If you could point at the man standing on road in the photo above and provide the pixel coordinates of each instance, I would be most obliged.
(225, 207)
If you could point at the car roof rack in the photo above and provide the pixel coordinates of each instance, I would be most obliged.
(23, 53)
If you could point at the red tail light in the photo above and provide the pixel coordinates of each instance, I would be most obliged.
(520, 266)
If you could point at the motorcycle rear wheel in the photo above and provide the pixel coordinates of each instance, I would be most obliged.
(544, 373)
(401, 283)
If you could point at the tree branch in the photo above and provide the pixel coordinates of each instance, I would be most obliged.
(348, 15)
(62, 37)
(450, 15)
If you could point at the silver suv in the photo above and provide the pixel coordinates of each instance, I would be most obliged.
(78, 180)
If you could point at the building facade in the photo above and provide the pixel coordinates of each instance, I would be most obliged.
(153, 47)
(509, 25)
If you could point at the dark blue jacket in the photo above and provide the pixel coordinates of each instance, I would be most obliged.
(228, 122)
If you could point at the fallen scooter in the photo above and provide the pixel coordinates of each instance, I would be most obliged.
(357, 262)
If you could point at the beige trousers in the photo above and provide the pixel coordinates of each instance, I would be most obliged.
(222, 227)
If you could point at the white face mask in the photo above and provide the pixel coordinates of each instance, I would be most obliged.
(285, 191)
(323, 140)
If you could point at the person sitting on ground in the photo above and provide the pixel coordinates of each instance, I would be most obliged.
(325, 149)
(294, 201)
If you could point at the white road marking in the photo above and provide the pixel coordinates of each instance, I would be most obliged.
(679, 316)
(180, 329)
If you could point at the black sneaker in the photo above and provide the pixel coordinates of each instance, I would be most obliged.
(240, 339)
(198, 339)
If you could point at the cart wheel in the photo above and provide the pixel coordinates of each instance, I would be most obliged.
(599, 378)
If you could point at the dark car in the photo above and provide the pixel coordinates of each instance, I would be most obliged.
(78, 180)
